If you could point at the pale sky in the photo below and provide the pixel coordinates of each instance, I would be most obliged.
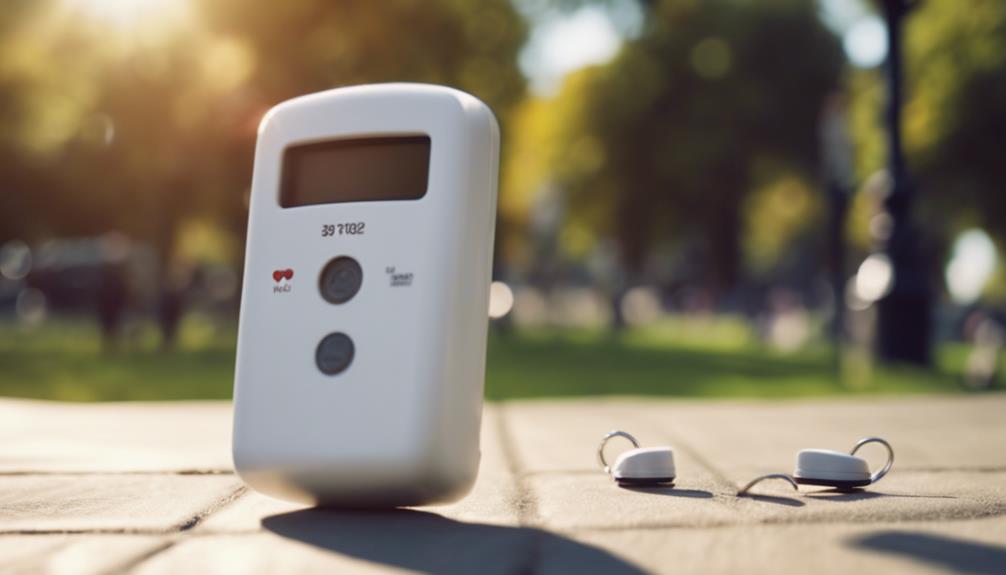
(864, 37)
(561, 42)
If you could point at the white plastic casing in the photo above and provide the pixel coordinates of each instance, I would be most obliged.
(644, 463)
(828, 465)
(400, 426)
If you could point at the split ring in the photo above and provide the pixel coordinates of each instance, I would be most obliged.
(890, 456)
(604, 441)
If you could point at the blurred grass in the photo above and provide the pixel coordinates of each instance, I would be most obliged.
(64, 360)
(687, 358)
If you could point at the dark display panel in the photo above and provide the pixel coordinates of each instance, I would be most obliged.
(355, 170)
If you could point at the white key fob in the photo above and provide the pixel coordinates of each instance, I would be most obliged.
(640, 466)
(843, 471)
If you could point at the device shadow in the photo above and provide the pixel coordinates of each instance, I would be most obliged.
(431, 543)
(957, 555)
(775, 499)
(862, 495)
(670, 491)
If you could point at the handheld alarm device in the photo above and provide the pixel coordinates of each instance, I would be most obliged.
(362, 338)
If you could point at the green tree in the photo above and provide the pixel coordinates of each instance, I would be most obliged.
(712, 100)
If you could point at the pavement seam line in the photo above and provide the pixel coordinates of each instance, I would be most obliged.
(194, 521)
(91, 531)
(187, 525)
(527, 506)
(213, 508)
(771, 521)
(196, 472)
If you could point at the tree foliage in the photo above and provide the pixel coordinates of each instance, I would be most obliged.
(139, 128)
(711, 101)
(954, 114)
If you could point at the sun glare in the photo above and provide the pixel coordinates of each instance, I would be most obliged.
(132, 14)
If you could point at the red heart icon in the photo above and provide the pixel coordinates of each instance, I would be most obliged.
(277, 275)
(288, 274)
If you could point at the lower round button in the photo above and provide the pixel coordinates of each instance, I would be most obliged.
(335, 353)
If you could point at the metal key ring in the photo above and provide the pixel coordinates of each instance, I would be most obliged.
(604, 441)
(890, 456)
(744, 490)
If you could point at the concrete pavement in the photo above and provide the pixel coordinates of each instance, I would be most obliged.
(148, 488)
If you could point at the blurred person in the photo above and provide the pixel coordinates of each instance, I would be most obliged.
(987, 336)
(172, 301)
(609, 276)
(784, 324)
(111, 302)
(112, 297)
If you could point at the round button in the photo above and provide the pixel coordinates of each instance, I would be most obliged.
(340, 279)
(335, 353)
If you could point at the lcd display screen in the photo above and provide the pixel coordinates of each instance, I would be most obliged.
(355, 170)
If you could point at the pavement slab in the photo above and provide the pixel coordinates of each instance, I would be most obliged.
(975, 547)
(74, 554)
(569, 501)
(312, 540)
(54, 437)
(960, 433)
(148, 488)
(103, 503)
(907, 496)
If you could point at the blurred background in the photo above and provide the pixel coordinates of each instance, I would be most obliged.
(743, 198)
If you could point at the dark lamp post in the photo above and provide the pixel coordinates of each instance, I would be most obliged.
(904, 314)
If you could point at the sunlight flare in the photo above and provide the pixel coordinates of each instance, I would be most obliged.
(132, 14)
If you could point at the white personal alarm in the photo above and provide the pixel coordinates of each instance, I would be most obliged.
(362, 338)
(844, 472)
(639, 466)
